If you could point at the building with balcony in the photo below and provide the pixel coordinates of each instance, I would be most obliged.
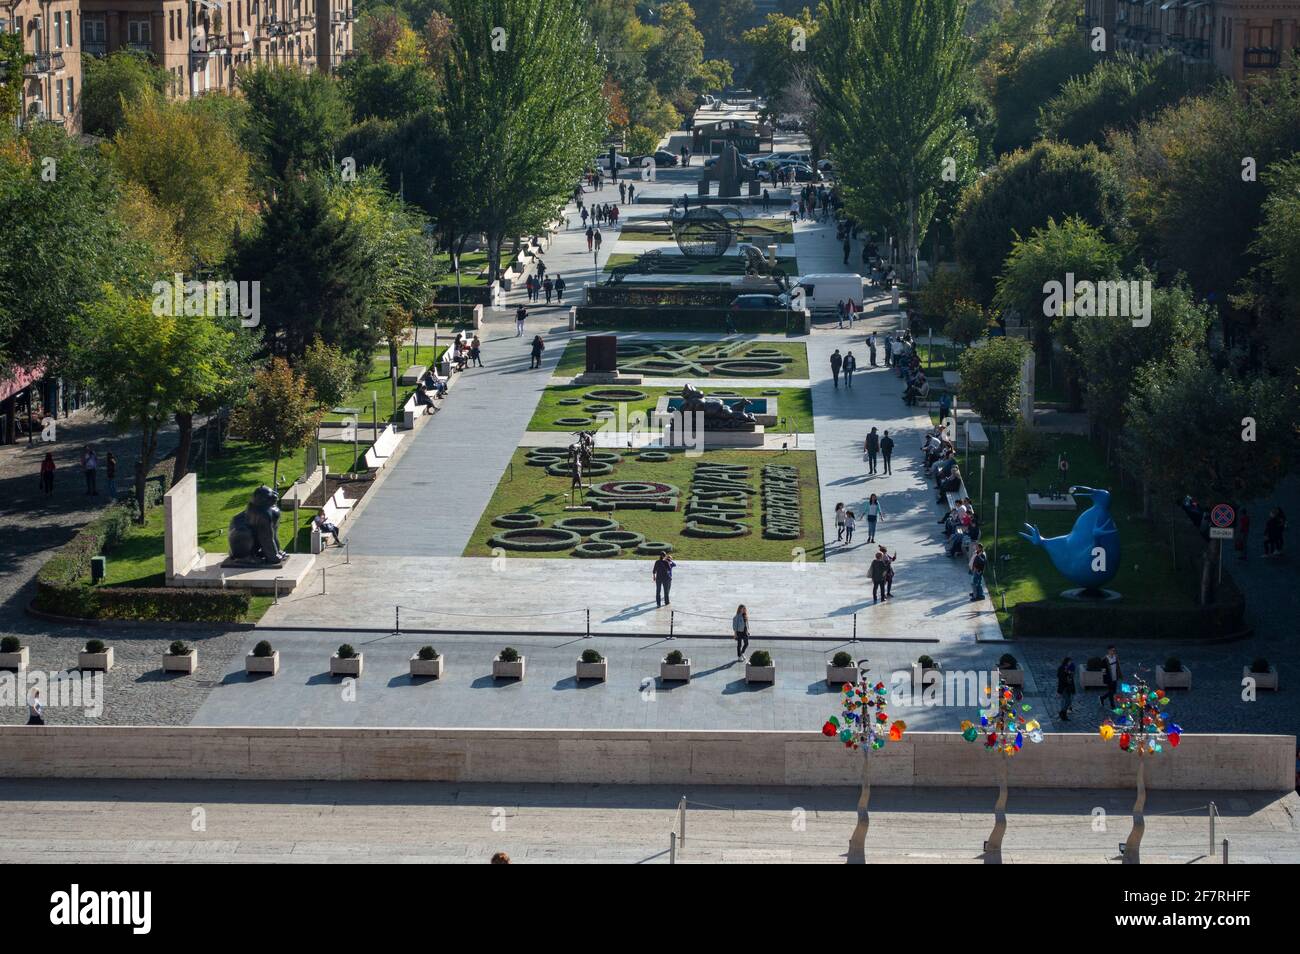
(1240, 38)
(52, 80)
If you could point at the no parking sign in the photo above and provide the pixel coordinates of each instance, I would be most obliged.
(1222, 515)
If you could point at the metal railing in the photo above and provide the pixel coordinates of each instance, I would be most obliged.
(42, 63)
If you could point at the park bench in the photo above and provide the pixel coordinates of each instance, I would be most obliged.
(383, 448)
(336, 510)
(976, 439)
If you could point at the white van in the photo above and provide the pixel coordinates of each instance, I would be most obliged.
(823, 293)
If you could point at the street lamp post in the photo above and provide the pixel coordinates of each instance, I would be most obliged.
(1004, 730)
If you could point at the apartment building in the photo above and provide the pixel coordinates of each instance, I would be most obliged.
(51, 37)
(1241, 38)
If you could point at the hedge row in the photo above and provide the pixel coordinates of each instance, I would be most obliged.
(631, 295)
(1103, 621)
(672, 318)
(469, 294)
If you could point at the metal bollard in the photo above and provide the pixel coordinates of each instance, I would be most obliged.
(277, 589)
(681, 816)
(588, 636)
(855, 627)
(672, 622)
(347, 551)
(1213, 811)
(322, 580)
(397, 621)
(1225, 851)
(672, 847)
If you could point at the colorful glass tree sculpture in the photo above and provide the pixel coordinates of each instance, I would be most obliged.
(1003, 726)
(1141, 725)
(863, 723)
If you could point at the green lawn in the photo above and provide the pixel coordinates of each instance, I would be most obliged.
(674, 264)
(527, 489)
(1147, 576)
(938, 359)
(378, 386)
(760, 232)
(471, 263)
(574, 359)
(223, 492)
(794, 404)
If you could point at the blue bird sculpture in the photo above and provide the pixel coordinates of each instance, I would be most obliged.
(1089, 555)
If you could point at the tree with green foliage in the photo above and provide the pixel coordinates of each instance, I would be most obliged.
(297, 117)
(677, 53)
(280, 412)
(641, 141)
(1272, 293)
(1025, 451)
(990, 378)
(889, 88)
(721, 23)
(331, 374)
(114, 85)
(1186, 434)
(12, 61)
(143, 364)
(774, 54)
(385, 90)
(526, 118)
(1118, 93)
(317, 277)
(1023, 74)
(967, 323)
(1022, 192)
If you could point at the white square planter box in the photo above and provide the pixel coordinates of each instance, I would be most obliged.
(1263, 680)
(1013, 677)
(675, 672)
(101, 661)
(760, 673)
(15, 661)
(1173, 680)
(426, 667)
(186, 662)
(837, 676)
(263, 664)
(346, 667)
(508, 670)
(596, 670)
(1092, 680)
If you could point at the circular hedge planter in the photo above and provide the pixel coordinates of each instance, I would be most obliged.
(615, 394)
(574, 421)
(634, 488)
(535, 539)
(550, 451)
(772, 392)
(770, 353)
(564, 469)
(599, 408)
(569, 402)
(654, 548)
(516, 521)
(696, 529)
(742, 368)
(622, 538)
(653, 457)
(586, 525)
(605, 457)
(542, 460)
(722, 394)
(596, 550)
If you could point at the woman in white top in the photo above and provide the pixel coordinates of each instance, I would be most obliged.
(850, 524)
(873, 514)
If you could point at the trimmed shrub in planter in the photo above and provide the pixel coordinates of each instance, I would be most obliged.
(654, 548)
(686, 319)
(1109, 621)
(626, 539)
(653, 457)
(426, 662)
(509, 664)
(517, 521)
(347, 661)
(13, 654)
(675, 667)
(96, 656)
(595, 550)
(926, 662)
(760, 667)
(592, 665)
(180, 658)
(586, 525)
(841, 669)
(1010, 671)
(1092, 675)
(535, 539)
(263, 659)
(1173, 675)
(1265, 675)
(709, 529)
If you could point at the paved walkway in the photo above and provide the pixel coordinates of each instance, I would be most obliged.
(350, 822)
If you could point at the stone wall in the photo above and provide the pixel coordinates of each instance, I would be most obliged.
(1233, 762)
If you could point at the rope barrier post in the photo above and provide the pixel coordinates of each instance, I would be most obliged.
(277, 589)
(347, 551)
(672, 847)
(397, 621)
(588, 636)
(672, 623)
(1225, 851)
(855, 627)
(1212, 811)
(681, 815)
(322, 580)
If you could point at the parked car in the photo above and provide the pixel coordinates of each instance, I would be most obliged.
(743, 302)
(802, 172)
(662, 157)
(622, 162)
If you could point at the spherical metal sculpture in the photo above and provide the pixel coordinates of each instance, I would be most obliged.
(704, 232)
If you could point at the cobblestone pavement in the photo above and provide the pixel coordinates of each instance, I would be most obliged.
(349, 822)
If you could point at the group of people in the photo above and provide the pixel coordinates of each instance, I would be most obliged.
(604, 213)
(844, 364)
(89, 469)
(812, 202)
(542, 284)
(878, 447)
(915, 384)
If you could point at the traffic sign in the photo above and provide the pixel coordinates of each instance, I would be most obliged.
(1220, 533)
(1222, 515)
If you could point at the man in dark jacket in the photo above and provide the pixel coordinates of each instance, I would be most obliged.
(872, 447)
(886, 451)
(662, 571)
(878, 571)
(850, 363)
(836, 361)
(1111, 676)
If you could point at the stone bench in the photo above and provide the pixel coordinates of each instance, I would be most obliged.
(383, 447)
(336, 510)
(411, 376)
(976, 439)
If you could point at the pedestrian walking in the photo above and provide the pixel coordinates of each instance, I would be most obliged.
(890, 560)
(35, 709)
(1065, 687)
(871, 348)
(538, 347)
(559, 288)
(475, 350)
(837, 360)
(877, 572)
(870, 448)
(978, 563)
(622, 192)
(597, 238)
(90, 467)
(767, 200)
(590, 234)
(886, 451)
(840, 312)
(850, 363)
(848, 247)
(740, 627)
(1243, 531)
(889, 351)
(874, 513)
(110, 474)
(631, 192)
(662, 572)
(839, 523)
(1111, 674)
(47, 474)
(521, 313)
(850, 524)
(1063, 468)
(584, 214)
(548, 286)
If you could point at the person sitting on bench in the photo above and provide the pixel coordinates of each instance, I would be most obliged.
(434, 382)
(422, 398)
(324, 526)
(952, 483)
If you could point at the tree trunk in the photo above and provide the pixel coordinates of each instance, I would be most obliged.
(185, 436)
(275, 471)
(1207, 572)
(148, 446)
(494, 256)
